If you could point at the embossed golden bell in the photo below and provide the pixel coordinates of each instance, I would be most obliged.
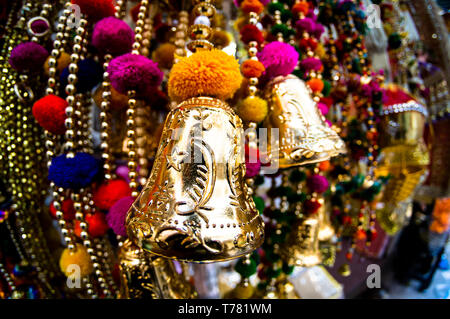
(195, 206)
(303, 135)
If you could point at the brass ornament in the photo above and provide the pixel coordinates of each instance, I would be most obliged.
(144, 276)
(304, 136)
(243, 290)
(302, 244)
(195, 206)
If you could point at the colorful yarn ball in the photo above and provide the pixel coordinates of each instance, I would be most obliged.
(205, 73)
(67, 208)
(97, 226)
(73, 173)
(316, 85)
(248, 6)
(311, 64)
(112, 36)
(28, 56)
(317, 183)
(250, 32)
(164, 55)
(96, 9)
(253, 109)
(61, 63)
(301, 7)
(79, 257)
(110, 192)
(50, 113)
(252, 69)
(323, 108)
(134, 72)
(89, 74)
(311, 206)
(117, 215)
(278, 58)
(118, 101)
(305, 25)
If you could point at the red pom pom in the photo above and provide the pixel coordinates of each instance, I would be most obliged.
(96, 9)
(50, 113)
(312, 206)
(251, 33)
(97, 225)
(110, 192)
(67, 208)
(360, 234)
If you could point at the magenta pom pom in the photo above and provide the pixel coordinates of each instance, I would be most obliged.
(319, 29)
(117, 215)
(112, 36)
(366, 90)
(39, 26)
(306, 25)
(252, 169)
(278, 58)
(134, 72)
(311, 64)
(317, 183)
(122, 172)
(28, 56)
(323, 108)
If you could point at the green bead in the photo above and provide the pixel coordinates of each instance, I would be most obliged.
(245, 268)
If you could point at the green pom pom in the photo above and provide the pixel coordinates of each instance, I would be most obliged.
(286, 15)
(295, 198)
(245, 269)
(273, 273)
(278, 237)
(287, 269)
(281, 28)
(297, 176)
(255, 256)
(259, 203)
(275, 6)
(326, 88)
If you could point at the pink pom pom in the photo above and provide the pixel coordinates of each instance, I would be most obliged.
(317, 183)
(122, 172)
(118, 214)
(323, 108)
(278, 58)
(252, 162)
(134, 72)
(329, 123)
(28, 56)
(305, 25)
(366, 90)
(311, 64)
(319, 29)
(112, 36)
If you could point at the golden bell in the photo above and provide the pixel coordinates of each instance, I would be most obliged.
(326, 229)
(144, 276)
(197, 208)
(303, 135)
(301, 247)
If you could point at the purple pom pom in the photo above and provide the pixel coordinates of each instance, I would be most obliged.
(366, 90)
(134, 72)
(306, 25)
(317, 183)
(112, 36)
(319, 29)
(323, 108)
(311, 64)
(28, 56)
(117, 215)
(39, 26)
(278, 58)
(252, 169)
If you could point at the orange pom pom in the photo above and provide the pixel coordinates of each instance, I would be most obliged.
(252, 69)
(205, 73)
(78, 257)
(316, 85)
(301, 7)
(324, 166)
(252, 6)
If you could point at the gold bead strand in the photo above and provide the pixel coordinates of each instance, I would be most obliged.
(105, 121)
(181, 35)
(131, 144)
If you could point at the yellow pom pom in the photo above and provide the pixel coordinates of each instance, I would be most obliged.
(62, 62)
(253, 109)
(205, 73)
(79, 257)
(164, 55)
(320, 51)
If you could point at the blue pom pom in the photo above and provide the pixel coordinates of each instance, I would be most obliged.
(73, 173)
(89, 74)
